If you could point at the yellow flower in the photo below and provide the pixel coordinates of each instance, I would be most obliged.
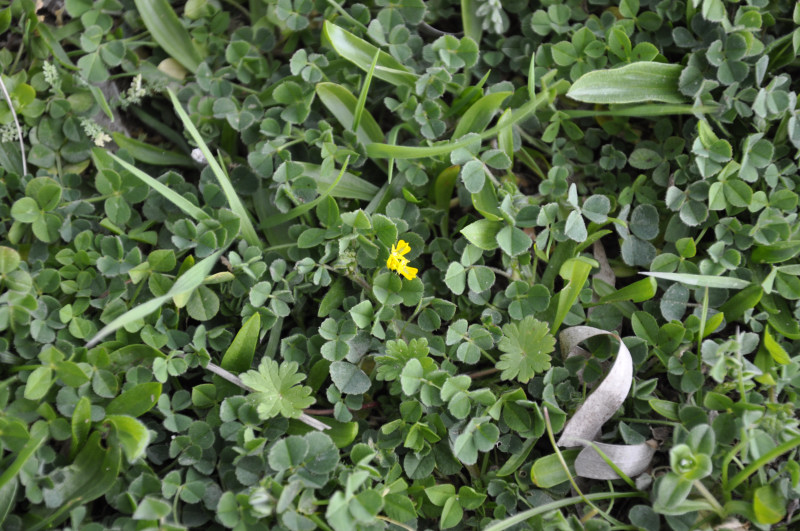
(398, 262)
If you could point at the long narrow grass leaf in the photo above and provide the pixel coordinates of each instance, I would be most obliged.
(247, 229)
(38, 435)
(360, 53)
(633, 83)
(470, 21)
(305, 207)
(480, 113)
(186, 283)
(170, 195)
(362, 97)
(762, 461)
(385, 151)
(552, 506)
(150, 154)
(350, 186)
(532, 77)
(166, 28)
(701, 281)
(343, 105)
(645, 110)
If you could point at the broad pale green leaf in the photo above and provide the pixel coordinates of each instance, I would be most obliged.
(132, 435)
(456, 278)
(769, 505)
(167, 30)
(361, 53)
(575, 271)
(151, 508)
(288, 452)
(348, 378)
(150, 154)
(702, 281)
(9, 260)
(513, 241)
(547, 471)
(136, 401)
(452, 513)
(483, 234)
(638, 291)
(478, 116)
(342, 104)
(777, 252)
(633, 83)
(39, 382)
(775, 349)
(239, 355)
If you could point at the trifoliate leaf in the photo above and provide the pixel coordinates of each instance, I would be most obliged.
(398, 352)
(276, 390)
(527, 346)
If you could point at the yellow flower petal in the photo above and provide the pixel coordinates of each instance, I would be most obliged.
(403, 247)
(409, 272)
(398, 262)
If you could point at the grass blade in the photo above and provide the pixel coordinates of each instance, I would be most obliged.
(470, 21)
(185, 284)
(349, 187)
(170, 195)
(150, 154)
(360, 53)
(166, 28)
(701, 281)
(647, 109)
(344, 106)
(480, 114)
(299, 210)
(552, 506)
(385, 151)
(39, 434)
(362, 98)
(637, 82)
(248, 231)
(532, 77)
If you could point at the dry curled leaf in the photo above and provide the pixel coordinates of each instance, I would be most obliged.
(601, 405)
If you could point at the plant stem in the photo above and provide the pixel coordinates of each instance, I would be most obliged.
(586, 500)
(760, 462)
(709, 498)
(552, 506)
(394, 522)
(235, 380)
(317, 520)
(473, 375)
(703, 317)
(14, 115)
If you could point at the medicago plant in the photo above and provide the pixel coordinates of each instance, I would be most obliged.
(303, 264)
